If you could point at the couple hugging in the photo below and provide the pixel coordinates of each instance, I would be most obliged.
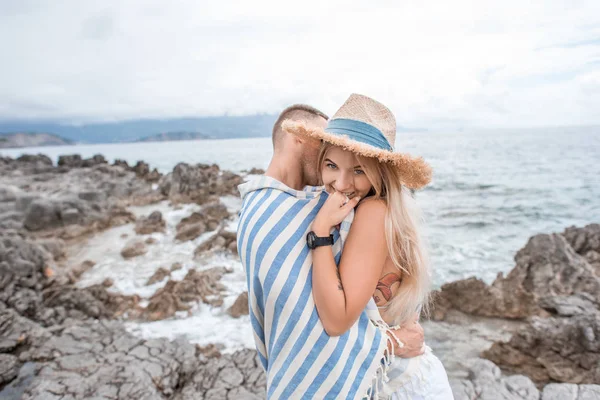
(337, 273)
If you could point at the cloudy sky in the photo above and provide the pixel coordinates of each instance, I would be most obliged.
(435, 63)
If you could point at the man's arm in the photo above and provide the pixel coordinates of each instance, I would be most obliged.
(413, 338)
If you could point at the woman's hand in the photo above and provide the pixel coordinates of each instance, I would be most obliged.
(336, 208)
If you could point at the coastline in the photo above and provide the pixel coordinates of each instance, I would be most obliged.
(60, 323)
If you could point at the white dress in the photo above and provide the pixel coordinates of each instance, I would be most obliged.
(418, 378)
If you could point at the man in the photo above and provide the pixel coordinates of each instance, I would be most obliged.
(299, 358)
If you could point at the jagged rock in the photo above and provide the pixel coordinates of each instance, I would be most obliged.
(35, 158)
(240, 306)
(150, 224)
(485, 382)
(141, 169)
(175, 295)
(153, 176)
(198, 183)
(208, 219)
(133, 249)
(71, 161)
(546, 266)
(553, 349)
(121, 163)
(221, 241)
(150, 240)
(586, 242)
(190, 228)
(256, 171)
(95, 160)
(158, 276)
(108, 282)
(9, 368)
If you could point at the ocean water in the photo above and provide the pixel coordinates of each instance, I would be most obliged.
(491, 190)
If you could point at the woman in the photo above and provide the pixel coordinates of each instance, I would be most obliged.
(383, 265)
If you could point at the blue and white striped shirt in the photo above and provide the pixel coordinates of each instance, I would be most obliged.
(300, 359)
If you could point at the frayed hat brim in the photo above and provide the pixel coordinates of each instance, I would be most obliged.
(415, 172)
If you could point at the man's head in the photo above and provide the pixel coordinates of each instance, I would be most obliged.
(307, 151)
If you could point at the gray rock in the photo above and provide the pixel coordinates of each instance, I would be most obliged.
(589, 392)
(150, 224)
(9, 368)
(560, 391)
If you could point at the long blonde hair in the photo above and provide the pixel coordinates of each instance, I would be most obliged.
(402, 230)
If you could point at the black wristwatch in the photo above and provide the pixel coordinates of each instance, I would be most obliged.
(313, 241)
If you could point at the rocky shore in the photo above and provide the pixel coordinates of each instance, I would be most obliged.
(530, 335)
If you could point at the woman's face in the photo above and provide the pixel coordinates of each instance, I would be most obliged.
(341, 172)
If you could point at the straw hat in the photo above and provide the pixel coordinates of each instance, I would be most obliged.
(368, 128)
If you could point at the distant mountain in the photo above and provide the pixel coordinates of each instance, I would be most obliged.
(31, 139)
(167, 136)
(224, 127)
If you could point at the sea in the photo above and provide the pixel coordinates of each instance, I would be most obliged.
(491, 191)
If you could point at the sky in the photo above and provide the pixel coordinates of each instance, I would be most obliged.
(434, 63)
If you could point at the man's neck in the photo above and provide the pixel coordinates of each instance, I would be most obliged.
(286, 172)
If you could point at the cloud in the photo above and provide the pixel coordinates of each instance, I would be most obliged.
(436, 64)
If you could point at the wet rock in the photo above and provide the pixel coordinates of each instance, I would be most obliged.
(223, 240)
(546, 266)
(209, 218)
(198, 183)
(158, 276)
(176, 266)
(240, 306)
(150, 224)
(175, 296)
(133, 249)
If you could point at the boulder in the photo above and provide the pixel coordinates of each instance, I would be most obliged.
(197, 286)
(223, 240)
(239, 307)
(158, 276)
(198, 183)
(150, 224)
(133, 249)
(546, 266)
(71, 161)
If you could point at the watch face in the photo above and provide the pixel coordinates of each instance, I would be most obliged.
(310, 240)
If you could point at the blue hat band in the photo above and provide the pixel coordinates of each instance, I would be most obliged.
(359, 131)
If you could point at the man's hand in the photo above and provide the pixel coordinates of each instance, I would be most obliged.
(411, 334)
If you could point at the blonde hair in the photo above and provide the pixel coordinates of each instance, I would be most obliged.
(402, 230)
